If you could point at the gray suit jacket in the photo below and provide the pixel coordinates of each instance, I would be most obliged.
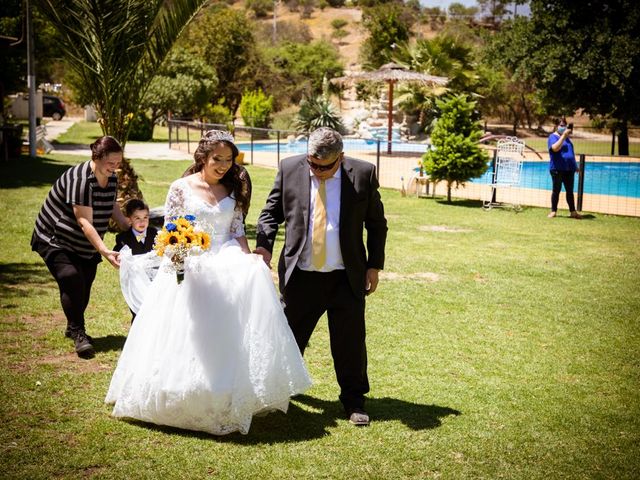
(360, 208)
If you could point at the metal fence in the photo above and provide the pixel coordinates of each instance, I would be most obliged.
(605, 183)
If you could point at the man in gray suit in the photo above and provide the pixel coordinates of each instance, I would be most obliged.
(326, 200)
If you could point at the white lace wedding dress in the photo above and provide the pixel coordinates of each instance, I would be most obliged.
(211, 352)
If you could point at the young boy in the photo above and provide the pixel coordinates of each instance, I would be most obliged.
(140, 237)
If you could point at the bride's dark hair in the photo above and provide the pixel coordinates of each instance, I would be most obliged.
(236, 180)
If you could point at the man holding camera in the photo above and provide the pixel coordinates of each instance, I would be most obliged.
(562, 166)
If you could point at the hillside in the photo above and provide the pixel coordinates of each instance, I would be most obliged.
(320, 27)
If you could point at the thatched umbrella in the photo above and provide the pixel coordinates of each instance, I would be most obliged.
(391, 73)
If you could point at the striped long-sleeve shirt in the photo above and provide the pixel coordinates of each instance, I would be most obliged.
(57, 225)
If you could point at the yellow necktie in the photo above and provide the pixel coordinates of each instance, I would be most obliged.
(140, 237)
(319, 244)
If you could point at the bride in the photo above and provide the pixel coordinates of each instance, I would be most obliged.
(210, 352)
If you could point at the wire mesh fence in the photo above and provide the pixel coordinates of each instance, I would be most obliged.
(605, 183)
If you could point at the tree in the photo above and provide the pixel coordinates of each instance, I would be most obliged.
(115, 47)
(507, 94)
(388, 25)
(13, 49)
(579, 57)
(496, 10)
(296, 70)
(261, 8)
(445, 56)
(455, 156)
(184, 85)
(223, 38)
(457, 9)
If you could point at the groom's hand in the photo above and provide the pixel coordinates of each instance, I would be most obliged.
(371, 282)
(265, 254)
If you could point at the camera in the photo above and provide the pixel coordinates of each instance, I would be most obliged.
(570, 126)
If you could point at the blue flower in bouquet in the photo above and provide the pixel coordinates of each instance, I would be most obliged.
(171, 227)
(191, 218)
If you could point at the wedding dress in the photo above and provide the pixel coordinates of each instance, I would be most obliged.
(209, 353)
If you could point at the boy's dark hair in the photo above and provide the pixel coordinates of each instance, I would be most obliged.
(133, 205)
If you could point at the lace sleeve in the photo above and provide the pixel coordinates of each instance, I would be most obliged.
(174, 205)
(237, 225)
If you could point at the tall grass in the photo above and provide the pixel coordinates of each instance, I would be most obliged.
(501, 345)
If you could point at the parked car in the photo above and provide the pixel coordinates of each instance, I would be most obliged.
(53, 107)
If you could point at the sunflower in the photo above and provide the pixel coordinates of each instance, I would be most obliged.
(161, 242)
(174, 238)
(205, 240)
(183, 223)
(189, 238)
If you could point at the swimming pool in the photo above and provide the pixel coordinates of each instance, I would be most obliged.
(350, 145)
(601, 178)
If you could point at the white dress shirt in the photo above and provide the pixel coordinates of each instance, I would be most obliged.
(137, 234)
(334, 254)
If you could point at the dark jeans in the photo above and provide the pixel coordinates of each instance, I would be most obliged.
(75, 276)
(310, 294)
(559, 178)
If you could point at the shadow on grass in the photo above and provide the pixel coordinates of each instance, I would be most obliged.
(27, 172)
(302, 424)
(109, 343)
(16, 277)
(460, 202)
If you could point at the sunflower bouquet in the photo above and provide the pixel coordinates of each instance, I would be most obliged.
(179, 238)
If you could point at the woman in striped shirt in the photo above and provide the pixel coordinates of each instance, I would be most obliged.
(69, 231)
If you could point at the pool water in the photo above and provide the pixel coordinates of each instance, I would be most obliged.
(350, 145)
(602, 178)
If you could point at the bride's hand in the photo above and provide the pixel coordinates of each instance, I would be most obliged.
(265, 254)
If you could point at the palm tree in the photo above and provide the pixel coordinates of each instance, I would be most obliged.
(114, 48)
(316, 112)
(445, 56)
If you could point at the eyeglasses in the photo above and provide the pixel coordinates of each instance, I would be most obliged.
(323, 168)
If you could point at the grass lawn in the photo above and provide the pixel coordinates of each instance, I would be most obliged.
(501, 345)
(85, 133)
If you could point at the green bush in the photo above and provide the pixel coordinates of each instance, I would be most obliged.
(339, 23)
(261, 8)
(141, 128)
(316, 112)
(256, 108)
(217, 113)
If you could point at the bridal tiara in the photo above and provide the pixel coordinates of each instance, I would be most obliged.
(217, 135)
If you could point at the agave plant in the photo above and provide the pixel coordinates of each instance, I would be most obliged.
(114, 48)
(316, 112)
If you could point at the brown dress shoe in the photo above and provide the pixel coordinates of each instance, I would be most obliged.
(576, 215)
(359, 417)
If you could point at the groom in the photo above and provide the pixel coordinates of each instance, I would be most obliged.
(325, 200)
